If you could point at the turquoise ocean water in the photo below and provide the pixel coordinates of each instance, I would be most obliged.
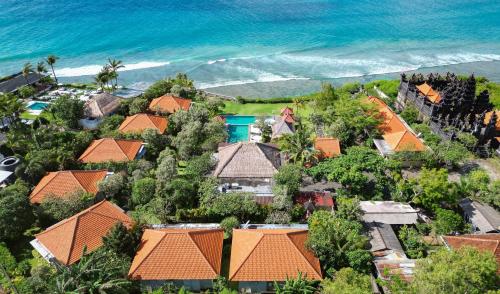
(231, 42)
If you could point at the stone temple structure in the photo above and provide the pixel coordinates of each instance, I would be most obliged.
(450, 105)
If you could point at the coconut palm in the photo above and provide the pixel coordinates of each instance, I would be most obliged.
(51, 60)
(298, 146)
(102, 78)
(296, 286)
(41, 68)
(27, 69)
(114, 66)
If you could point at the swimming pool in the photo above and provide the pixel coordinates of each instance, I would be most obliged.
(237, 127)
(37, 106)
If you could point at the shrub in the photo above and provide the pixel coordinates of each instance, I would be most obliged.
(228, 224)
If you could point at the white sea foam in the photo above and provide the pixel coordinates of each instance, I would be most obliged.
(215, 61)
(94, 69)
(261, 79)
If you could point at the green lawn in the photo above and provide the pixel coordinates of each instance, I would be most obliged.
(27, 115)
(261, 108)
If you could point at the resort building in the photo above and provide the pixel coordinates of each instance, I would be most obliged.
(283, 124)
(188, 257)
(388, 212)
(261, 256)
(247, 167)
(12, 83)
(65, 241)
(327, 147)
(397, 136)
(482, 242)
(450, 105)
(61, 183)
(169, 104)
(116, 150)
(97, 107)
(139, 122)
(484, 218)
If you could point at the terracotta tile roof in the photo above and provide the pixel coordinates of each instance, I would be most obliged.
(394, 131)
(271, 255)
(178, 254)
(286, 111)
(320, 199)
(483, 242)
(109, 149)
(329, 147)
(427, 90)
(169, 104)
(62, 182)
(66, 239)
(139, 122)
(488, 116)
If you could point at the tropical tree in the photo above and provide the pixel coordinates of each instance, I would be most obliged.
(298, 103)
(114, 66)
(27, 69)
(51, 60)
(103, 77)
(300, 285)
(298, 146)
(41, 68)
(347, 281)
(10, 107)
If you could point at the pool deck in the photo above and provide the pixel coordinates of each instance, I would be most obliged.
(35, 111)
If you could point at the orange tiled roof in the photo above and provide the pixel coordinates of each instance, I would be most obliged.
(329, 147)
(169, 104)
(62, 182)
(109, 149)
(139, 122)
(178, 254)
(487, 118)
(483, 242)
(427, 90)
(394, 131)
(66, 239)
(271, 255)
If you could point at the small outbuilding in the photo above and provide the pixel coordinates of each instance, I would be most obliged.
(389, 212)
(484, 218)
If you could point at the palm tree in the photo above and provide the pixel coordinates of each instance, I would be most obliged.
(298, 146)
(41, 68)
(296, 286)
(298, 103)
(27, 69)
(115, 65)
(51, 60)
(102, 78)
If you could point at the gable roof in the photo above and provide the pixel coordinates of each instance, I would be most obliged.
(483, 217)
(16, 81)
(329, 147)
(388, 212)
(483, 242)
(66, 239)
(137, 123)
(489, 115)
(286, 111)
(169, 104)
(397, 135)
(383, 238)
(109, 149)
(101, 105)
(427, 91)
(271, 255)
(247, 160)
(178, 254)
(281, 127)
(62, 182)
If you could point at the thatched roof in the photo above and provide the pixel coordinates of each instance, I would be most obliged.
(248, 160)
(102, 105)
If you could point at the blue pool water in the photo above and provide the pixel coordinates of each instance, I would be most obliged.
(238, 127)
(38, 106)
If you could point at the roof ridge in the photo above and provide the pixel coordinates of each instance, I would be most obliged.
(298, 250)
(120, 148)
(88, 150)
(33, 195)
(258, 145)
(77, 171)
(150, 252)
(77, 222)
(249, 253)
(199, 249)
(238, 147)
(130, 119)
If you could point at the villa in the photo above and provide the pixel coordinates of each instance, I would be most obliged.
(139, 122)
(397, 136)
(327, 147)
(60, 183)
(189, 257)
(13, 82)
(65, 241)
(247, 167)
(97, 107)
(116, 150)
(169, 104)
(283, 124)
(261, 256)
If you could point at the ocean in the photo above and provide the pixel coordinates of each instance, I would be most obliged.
(285, 45)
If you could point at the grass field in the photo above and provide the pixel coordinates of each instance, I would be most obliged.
(262, 109)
